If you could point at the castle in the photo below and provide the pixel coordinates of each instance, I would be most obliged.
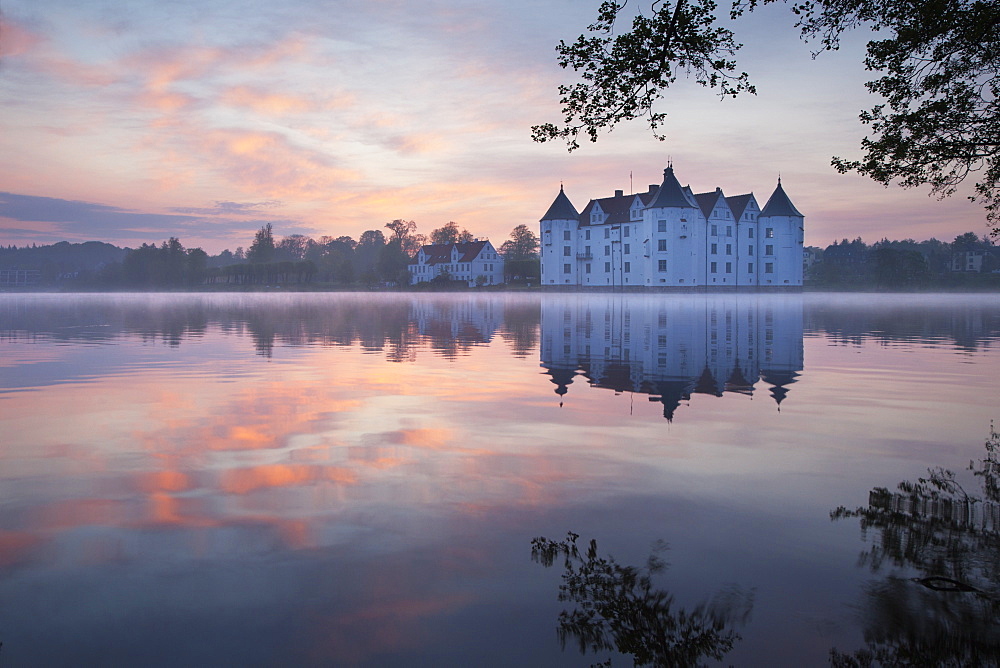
(672, 237)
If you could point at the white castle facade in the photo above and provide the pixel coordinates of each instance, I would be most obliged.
(671, 237)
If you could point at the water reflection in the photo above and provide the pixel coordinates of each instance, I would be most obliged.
(948, 613)
(619, 609)
(394, 324)
(352, 479)
(967, 322)
(671, 349)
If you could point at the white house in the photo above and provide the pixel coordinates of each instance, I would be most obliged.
(669, 236)
(476, 262)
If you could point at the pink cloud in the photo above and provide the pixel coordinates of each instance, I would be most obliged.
(269, 164)
(270, 104)
(17, 40)
(74, 72)
(165, 102)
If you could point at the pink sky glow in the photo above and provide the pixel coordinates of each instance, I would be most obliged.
(131, 122)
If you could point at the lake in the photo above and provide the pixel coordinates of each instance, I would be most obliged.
(416, 480)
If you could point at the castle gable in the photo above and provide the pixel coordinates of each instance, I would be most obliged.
(738, 204)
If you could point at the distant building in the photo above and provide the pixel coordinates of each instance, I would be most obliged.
(810, 256)
(671, 237)
(14, 278)
(975, 261)
(475, 262)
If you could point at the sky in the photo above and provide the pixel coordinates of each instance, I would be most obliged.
(131, 121)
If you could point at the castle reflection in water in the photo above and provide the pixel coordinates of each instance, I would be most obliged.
(673, 349)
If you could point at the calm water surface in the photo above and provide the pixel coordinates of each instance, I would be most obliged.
(358, 479)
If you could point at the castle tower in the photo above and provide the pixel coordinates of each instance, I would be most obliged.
(675, 236)
(780, 244)
(559, 232)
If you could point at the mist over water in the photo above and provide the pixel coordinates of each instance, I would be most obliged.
(356, 479)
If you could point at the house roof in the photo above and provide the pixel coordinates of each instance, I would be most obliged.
(441, 253)
(707, 201)
(670, 193)
(561, 209)
(738, 204)
(778, 204)
(618, 208)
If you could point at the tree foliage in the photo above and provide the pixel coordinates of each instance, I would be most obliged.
(619, 608)
(292, 247)
(905, 264)
(450, 234)
(522, 245)
(946, 534)
(936, 61)
(624, 75)
(405, 232)
(262, 248)
(940, 78)
(168, 265)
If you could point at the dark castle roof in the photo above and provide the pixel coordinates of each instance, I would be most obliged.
(738, 204)
(778, 204)
(561, 209)
(670, 194)
(617, 208)
(707, 201)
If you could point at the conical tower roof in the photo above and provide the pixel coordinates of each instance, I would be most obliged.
(561, 209)
(778, 204)
(671, 194)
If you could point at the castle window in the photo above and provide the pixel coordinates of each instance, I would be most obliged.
(607, 266)
(586, 235)
(628, 267)
(769, 232)
(729, 267)
(729, 229)
(566, 269)
(714, 267)
(661, 245)
(627, 249)
(715, 249)
(750, 232)
(627, 230)
(749, 267)
(661, 265)
(661, 226)
(769, 250)
(715, 230)
(729, 249)
(750, 249)
(587, 268)
(566, 235)
(607, 250)
(768, 267)
(566, 251)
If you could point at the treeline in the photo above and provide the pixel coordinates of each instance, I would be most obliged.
(968, 261)
(371, 260)
(376, 259)
(63, 260)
